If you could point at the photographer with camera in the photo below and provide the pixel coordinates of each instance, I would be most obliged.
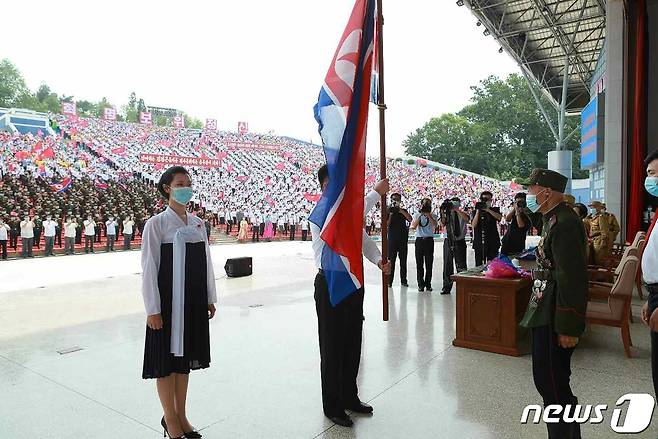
(519, 224)
(454, 246)
(424, 223)
(486, 239)
(398, 237)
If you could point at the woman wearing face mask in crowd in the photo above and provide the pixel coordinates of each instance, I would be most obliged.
(178, 286)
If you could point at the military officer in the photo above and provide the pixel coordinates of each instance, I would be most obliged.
(614, 228)
(602, 228)
(556, 310)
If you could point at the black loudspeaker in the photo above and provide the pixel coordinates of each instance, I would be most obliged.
(238, 267)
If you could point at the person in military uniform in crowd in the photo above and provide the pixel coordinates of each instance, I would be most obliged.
(603, 230)
(614, 228)
(557, 306)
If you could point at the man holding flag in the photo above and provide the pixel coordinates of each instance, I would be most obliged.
(339, 239)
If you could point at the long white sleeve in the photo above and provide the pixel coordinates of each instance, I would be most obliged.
(210, 274)
(370, 249)
(370, 201)
(151, 242)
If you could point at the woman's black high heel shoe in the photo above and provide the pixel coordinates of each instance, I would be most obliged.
(193, 435)
(166, 432)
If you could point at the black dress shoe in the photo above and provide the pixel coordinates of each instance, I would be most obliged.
(343, 420)
(429, 289)
(404, 284)
(360, 407)
(421, 289)
(193, 435)
(445, 292)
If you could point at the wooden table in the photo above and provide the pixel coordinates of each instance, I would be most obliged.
(488, 314)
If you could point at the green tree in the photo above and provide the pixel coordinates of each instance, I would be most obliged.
(13, 90)
(141, 106)
(192, 122)
(162, 121)
(43, 92)
(501, 133)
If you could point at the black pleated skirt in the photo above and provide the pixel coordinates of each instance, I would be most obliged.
(159, 362)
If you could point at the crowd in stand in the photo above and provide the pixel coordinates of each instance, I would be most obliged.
(265, 185)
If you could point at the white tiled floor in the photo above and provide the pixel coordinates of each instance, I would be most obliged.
(264, 380)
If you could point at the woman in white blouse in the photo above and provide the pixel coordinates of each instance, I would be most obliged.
(178, 286)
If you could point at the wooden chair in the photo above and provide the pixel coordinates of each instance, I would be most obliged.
(638, 279)
(608, 275)
(616, 311)
(618, 250)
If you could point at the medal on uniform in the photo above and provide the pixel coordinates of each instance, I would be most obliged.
(539, 283)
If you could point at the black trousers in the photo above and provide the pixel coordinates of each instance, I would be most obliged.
(304, 235)
(454, 256)
(3, 245)
(339, 331)
(551, 370)
(229, 226)
(424, 261)
(255, 237)
(89, 243)
(653, 304)
(13, 240)
(492, 252)
(292, 232)
(398, 247)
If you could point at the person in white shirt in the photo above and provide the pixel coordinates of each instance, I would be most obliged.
(49, 231)
(27, 237)
(70, 228)
(650, 268)
(111, 233)
(128, 224)
(178, 287)
(293, 226)
(4, 229)
(90, 233)
(303, 224)
(340, 327)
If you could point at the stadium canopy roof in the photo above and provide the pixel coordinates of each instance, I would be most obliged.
(541, 35)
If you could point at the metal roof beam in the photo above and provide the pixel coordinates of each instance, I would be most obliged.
(565, 43)
(543, 27)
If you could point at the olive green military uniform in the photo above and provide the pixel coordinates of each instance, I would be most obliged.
(563, 302)
(603, 230)
(558, 302)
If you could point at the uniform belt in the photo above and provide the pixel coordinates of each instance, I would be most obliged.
(424, 237)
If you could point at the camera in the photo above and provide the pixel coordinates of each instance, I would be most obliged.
(447, 206)
(426, 206)
(480, 205)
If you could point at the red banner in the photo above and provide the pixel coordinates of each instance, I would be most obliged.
(68, 108)
(252, 146)
(109, 114)
(314, 198)
(173, 160)
(179, 122)
(211, 124)
(145, 118)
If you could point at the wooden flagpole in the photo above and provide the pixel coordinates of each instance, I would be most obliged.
(382, 151)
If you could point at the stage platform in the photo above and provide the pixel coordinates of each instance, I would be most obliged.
(264, 379)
